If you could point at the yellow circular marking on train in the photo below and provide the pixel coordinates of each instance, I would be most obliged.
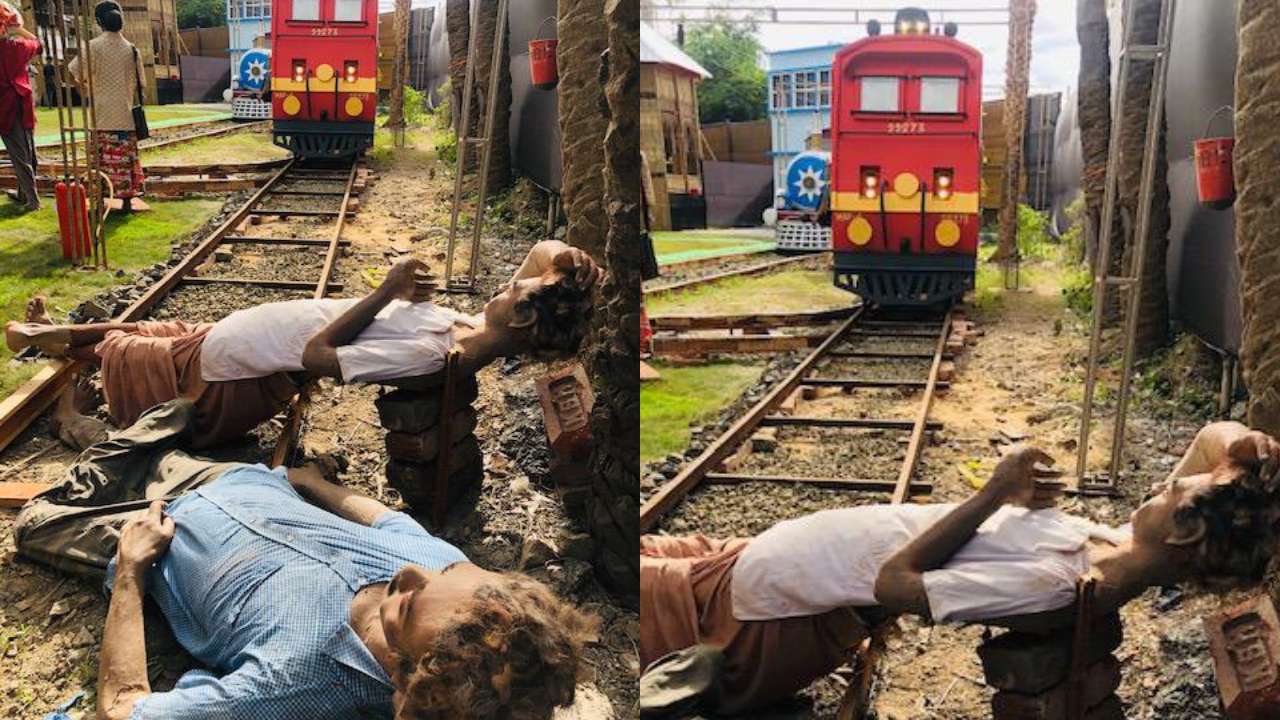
(353, 106)
(859, 231)
(291, 104)
(324, 72)
(947, 233)
(906, 185)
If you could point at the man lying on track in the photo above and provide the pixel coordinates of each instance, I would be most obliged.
(303, 598)
(787, 606)
(243, 369)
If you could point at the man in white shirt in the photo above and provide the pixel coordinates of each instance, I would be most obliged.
(786, 606)
(245, 368)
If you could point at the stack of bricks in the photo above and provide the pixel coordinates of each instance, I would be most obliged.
(411, 414)
(1032, 674)
(566, 400)
(1245, 644)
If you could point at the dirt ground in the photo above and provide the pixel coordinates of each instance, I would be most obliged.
(1022, 376)
(51, 625)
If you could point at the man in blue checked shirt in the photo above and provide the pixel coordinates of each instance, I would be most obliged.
(303, 598)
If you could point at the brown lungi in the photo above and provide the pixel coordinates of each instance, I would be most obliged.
(161, 361)
(686, 599)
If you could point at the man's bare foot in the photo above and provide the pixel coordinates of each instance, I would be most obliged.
(37, 312)
(51, 339)
(79, 399)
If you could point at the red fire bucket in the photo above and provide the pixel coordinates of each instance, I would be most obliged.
(1215, 178)
(542, 64)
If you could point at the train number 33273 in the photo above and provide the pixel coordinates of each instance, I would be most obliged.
(330, 31)
(909, 127)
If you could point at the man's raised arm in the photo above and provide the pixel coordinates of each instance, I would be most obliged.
(122, 665)
(556, 255)
(900, 585)
(310, 481)
(408, 280)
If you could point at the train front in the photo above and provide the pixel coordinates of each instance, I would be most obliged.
(324, 81)
(906, 160)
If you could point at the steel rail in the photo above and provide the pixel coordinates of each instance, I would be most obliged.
(706, 467)
(737, 272)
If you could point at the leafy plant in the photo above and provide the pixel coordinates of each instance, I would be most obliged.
(736, 89)
(1077, 291)
(415, 108)
(1034, 241)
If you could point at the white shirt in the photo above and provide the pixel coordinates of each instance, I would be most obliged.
(1018, 562)
(404, 339)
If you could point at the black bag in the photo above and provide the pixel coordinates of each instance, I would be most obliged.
(139, 115)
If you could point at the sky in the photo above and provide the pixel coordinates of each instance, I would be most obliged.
(1055, 54)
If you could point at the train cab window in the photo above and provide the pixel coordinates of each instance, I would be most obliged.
(306, 9)
(939, 95)
(879, 94)
(346, 10)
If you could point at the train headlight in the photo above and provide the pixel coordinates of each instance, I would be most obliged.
(299, 70)
(349, 70)
(870, 182)
(943, 179)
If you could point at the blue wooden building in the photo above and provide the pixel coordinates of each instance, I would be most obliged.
(799, 102)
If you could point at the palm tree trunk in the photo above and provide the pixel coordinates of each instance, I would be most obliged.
(1257, 214)
(1094, 109)
(458, 24)
(583, 35)
(1022, 14)
(613, 509)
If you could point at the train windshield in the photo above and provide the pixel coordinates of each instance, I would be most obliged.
(879, 94)
(939, 95)
(346, 10)
(306, 9)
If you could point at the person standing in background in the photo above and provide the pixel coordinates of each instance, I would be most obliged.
(17, 111)
(117, 74)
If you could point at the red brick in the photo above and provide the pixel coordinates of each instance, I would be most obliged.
(1101, 679)
(1245, 644)
(413, 412)
(416, 481)
(421, 447)
(566, 399)
(1030, 663)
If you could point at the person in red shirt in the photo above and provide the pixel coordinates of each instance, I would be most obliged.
(17, 112)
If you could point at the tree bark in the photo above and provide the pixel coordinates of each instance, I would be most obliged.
(1257, 213)
(395, 115)
(1022, 15)
(613, 509)
(458, 24)
(458, 28)
(1153, 300)
(1094, 109)
(583, 35)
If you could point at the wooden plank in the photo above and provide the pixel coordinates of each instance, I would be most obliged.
(922, 417)
(670, 493)
(274, 284)
(731, 322)
(843, 422)
(882, 355)
(297, 213)
(704, 345)
(857, 383)
(896, 333)
(249, 239)
(884, 486)
(16, 494)
(32, 398)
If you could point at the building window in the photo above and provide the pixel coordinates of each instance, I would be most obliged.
(346, 10)
(806, 89)
(253, 8)
(939, 95)
(306, 9)
(824, 88)
(879, 94)
(781, 92)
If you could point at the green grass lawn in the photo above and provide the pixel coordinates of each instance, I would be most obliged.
(685, 395)
(788, 291)
(234, 148)
(31, 260)
(158, 116)
(672, 247)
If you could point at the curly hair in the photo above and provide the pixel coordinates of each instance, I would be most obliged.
(562, 310)
(515, 654)
(1240, 510)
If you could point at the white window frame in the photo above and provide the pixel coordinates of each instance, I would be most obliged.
(824, 88)
(878, 80)
(294, 6)
(939, 82)
(806, 89)
(780, 89)
(339, 4)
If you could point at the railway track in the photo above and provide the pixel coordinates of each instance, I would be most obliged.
(906, 355)
(735, 269)
(332, 186)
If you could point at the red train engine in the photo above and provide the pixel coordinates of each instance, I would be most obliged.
(906, 116)
(324, 88)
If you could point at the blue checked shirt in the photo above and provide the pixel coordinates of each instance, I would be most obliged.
(257, 584)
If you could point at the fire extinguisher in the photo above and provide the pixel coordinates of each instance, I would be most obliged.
(542, 61)
(646, 333)
(73, 218)
(1215, 177)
